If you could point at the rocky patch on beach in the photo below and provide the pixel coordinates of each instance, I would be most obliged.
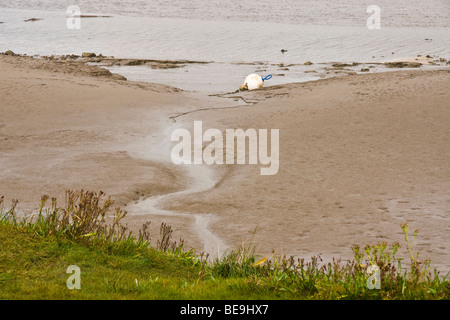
(154, 64)
(151, 63)
(72, 64)
(109, 61)
(343, 65)
(403, 64)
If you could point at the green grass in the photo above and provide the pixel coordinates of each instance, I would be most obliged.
(34, 267)
(36, 252)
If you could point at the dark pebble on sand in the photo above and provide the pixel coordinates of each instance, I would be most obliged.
(88, 55)
(32, 19)
(9, 53)
(117, 76)
(93, 16)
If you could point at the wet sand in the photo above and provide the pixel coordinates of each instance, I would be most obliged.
(358, 155)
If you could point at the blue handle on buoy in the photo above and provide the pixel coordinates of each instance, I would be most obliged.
(267, 77)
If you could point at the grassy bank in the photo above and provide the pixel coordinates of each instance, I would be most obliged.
(115, 264)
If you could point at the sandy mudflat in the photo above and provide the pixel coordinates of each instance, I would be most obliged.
(62, 128)
(358, 155)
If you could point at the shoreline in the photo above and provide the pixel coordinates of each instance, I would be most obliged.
(189, 77)
(181, 103)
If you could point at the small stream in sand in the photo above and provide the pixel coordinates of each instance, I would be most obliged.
(201, 181)
(200, 178)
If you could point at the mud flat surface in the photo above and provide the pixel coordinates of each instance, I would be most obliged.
(358, 155)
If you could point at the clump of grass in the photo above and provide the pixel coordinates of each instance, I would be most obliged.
(8, 216)
(336, 279)
(89, 219)
(82, 219)
(235, 263)
(165, 242)
(418, 267)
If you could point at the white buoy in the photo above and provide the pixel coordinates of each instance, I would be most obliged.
(251, 82)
